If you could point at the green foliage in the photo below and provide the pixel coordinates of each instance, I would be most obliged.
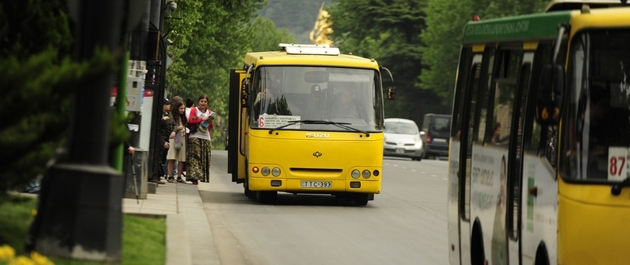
(30, 27)
(16, 214)
(35, 108)
(222, 35)
(118, 131)
(144, 239)
(390, 33)
(445, 22)
(34, 39)
(265, 35)
(38, 80)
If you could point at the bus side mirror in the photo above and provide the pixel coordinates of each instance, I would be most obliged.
(244, 94)
(550, 94)
(391, 92)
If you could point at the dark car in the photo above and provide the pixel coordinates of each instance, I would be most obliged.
(435, 133)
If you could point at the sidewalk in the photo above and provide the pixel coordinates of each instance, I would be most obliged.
(188, 237)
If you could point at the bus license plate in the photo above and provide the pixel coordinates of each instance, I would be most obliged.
(316, 184)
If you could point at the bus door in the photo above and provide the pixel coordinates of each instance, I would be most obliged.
(498, 157)
(237, 125)
(459, 157)
(518, 136)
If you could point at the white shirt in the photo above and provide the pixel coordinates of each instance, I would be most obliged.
(198, 133)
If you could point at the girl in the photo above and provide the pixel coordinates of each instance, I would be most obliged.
(177, 141)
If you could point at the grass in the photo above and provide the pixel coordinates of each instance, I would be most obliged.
(143, 237)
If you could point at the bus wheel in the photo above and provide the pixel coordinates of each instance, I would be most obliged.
(361, 199)
(477, 254)
(266, 196)
(541, 255)
(246, 190)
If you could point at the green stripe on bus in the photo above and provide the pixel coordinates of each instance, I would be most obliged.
(528, 27)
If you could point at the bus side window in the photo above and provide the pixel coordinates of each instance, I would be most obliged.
(504, 89)
(483, 95)
(462, 83)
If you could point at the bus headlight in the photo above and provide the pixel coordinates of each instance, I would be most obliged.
(275, 172)
(355, 174)
(366, 174)
(265, 171)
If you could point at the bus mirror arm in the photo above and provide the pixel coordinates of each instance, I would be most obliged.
(561, 30)
(247, 87)
(616, 189)
(391, 91)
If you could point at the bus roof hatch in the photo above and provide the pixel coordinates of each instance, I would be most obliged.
(291, 48)
(557, 5)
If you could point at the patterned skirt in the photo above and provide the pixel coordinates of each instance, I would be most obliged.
(198, 160)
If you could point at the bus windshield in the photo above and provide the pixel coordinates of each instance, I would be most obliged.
(597, 119)
(285, 94)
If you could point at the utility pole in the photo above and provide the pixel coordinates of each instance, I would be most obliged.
(80, 210)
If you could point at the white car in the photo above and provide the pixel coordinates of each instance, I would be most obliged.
(402, 139)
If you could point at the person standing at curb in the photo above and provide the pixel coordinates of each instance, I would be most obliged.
(165, 132)
(176, 99)
(199, 155)
(177, 142)
(190, 103)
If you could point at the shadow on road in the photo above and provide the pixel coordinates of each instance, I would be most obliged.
(284, 199)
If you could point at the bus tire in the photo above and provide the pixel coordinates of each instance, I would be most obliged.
(542, 258)
(266, 196)
(361, 199)
(245, 189)
(477, 253)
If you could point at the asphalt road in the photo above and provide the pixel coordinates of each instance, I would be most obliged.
(405, 224)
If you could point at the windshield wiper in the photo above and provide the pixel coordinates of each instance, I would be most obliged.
(616, 188)
(343, 125)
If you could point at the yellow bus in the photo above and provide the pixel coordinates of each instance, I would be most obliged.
(540, 138)
(307, 119)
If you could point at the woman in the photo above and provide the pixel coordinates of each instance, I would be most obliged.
(177, 142)
(201, 117)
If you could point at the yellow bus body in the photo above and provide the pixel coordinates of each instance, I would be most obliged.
(589, 218)
(552, 216)
(306, 158)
